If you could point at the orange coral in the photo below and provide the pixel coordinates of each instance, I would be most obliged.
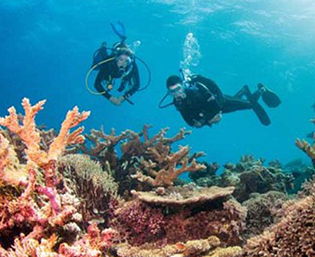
(31, 137)
(306, 147)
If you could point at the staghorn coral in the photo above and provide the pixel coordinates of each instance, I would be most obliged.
(148, 157)
(31, 137)
(37, 207)
(306, 147)
(166, 174)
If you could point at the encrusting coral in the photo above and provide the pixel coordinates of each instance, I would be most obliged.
(262, 211)
(209, 247)
(186, 213)
(292, 236)
(250, 176)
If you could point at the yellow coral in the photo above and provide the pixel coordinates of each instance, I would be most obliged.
(306, 147)
(226, 252)
(11, 171)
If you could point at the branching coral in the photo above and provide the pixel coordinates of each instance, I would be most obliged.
(306, 147)
(293, 236)
(150, 158)
(37, 208)
(166, 175)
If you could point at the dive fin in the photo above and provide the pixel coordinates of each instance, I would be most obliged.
(119, 30)
(310, 135)
(269, 97)
(261, 113)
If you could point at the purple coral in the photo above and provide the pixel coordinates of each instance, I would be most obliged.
(139, 223)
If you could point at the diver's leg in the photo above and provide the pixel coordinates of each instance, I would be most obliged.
(241, 92)
(232, 104)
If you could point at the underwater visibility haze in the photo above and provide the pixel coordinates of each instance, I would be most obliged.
(47, 49)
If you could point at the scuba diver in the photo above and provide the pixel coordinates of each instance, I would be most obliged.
(119, 64)
(312, 134)
(201, 102)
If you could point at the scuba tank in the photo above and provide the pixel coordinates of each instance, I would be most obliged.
(99, 55)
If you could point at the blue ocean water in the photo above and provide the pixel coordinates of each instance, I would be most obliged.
(46, 49)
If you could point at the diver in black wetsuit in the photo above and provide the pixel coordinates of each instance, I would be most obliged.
(201, 102)
(119, 65)
(312, 134)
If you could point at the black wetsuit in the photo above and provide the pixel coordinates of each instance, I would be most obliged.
(204, 100)
(110, 71)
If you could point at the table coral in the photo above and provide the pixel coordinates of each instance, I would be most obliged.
(181, 214)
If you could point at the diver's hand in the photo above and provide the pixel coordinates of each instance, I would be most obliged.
(198, 124)
(216, 119)
(117, 100)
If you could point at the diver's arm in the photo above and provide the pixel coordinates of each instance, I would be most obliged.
(135, 81)
(101, 76)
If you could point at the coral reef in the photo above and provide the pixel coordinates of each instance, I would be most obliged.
(206, 177)
(209, 247)
(35, 203)
(94, 187)
(144, 162)
(292, 236)
(61, 197)
(262, 211)
(183, 214)
(250, 176)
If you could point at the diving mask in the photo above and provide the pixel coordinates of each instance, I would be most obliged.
(123, 61)
(177, 91)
